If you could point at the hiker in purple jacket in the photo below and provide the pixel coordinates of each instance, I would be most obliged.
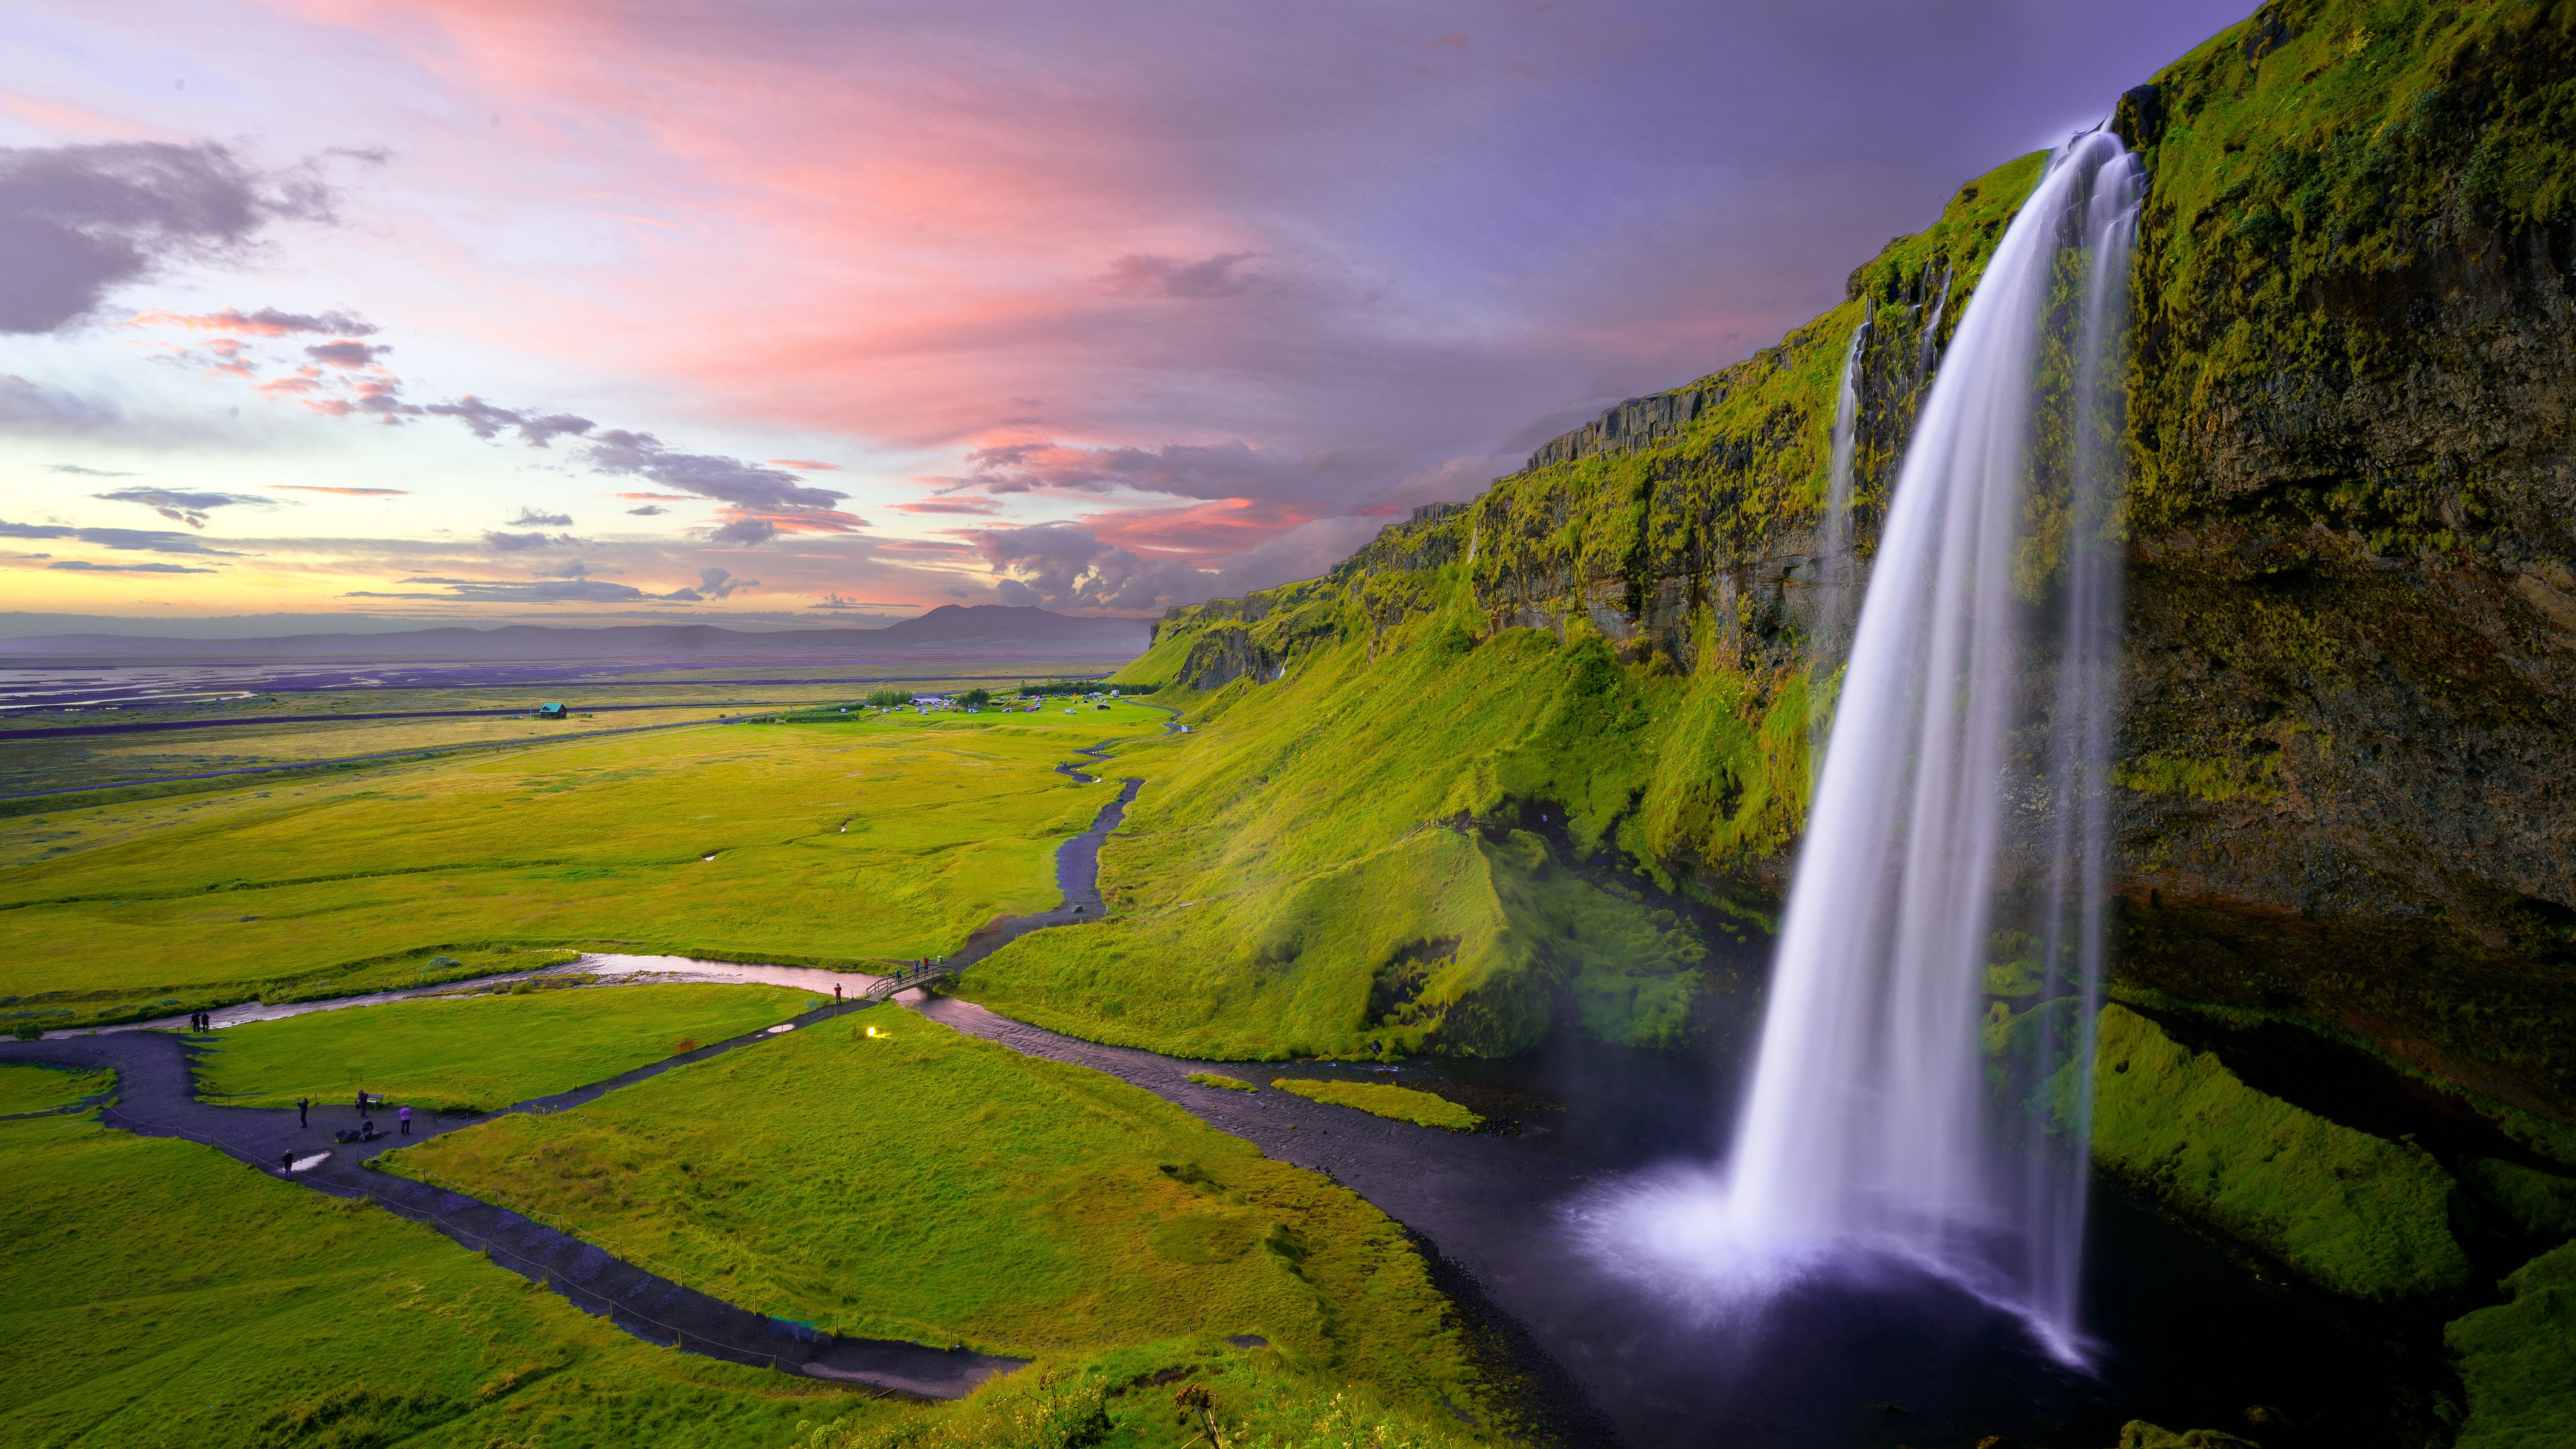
(405, 1115)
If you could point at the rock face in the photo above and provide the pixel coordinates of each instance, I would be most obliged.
(2349, 750)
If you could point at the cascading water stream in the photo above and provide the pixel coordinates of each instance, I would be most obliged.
(1836, 568)
(1921, 1090)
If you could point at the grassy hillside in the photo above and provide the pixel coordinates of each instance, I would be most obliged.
(1417, 837)
(829, 843)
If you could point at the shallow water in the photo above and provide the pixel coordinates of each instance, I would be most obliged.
(615, 968)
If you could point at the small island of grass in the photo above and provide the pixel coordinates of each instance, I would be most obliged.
(1401, 1103)
(1231, 1084)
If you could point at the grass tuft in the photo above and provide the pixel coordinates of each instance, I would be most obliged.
(1404, 1104)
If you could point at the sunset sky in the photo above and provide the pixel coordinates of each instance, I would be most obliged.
(578, 312)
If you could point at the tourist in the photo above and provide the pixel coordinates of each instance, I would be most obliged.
(405, 1115)
(285, 1163)
(362, 1101)
(304, 1111)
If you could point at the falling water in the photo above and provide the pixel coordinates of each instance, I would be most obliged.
(1836, 569)
(1921, 1089)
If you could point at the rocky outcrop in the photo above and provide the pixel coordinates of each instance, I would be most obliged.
(1223, 654)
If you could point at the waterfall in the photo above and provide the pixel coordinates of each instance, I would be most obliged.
(1921, 1090)
(1835, 569)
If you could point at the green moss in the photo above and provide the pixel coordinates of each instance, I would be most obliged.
(2213, 780)
(2349, 1211)
(1422, 1109)
(2314, 155)
(1215, 1079)
(2542, 1204)
(2139, 1434)
(2518, 1359)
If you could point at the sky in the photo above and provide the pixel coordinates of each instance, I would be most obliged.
(785, 312)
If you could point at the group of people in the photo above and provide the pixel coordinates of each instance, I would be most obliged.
(365, 1131)
(201, 1021)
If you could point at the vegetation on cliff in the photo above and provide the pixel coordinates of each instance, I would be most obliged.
(2518, 1359)
(2350, 1211)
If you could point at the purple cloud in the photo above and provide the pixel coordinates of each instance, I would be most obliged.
(189, 508)
(1060, 565)
(1144, 274)
(487, 421)
(78, 221)
(345, 353)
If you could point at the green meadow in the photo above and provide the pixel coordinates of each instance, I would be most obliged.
(26, 1088)
(924, 1185)
(843, 842)
(161, 1294)
(480, 1053)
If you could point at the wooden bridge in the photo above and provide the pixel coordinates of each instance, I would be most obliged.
(908, 977)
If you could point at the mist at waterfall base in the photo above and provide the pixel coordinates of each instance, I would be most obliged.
(1920, 1098)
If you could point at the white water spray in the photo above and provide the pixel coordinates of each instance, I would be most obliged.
(1922, 1086)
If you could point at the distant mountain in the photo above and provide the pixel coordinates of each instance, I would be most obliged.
(988, 631)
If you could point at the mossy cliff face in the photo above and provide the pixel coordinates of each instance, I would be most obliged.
(2349, 758)
(2351, 736)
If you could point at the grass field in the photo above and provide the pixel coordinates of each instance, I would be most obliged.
(929, 1186)
(480, 1053)
(835, 843)
(1422, 1109)
(25, 1088)
(163, 1295)
(2353, 1212)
